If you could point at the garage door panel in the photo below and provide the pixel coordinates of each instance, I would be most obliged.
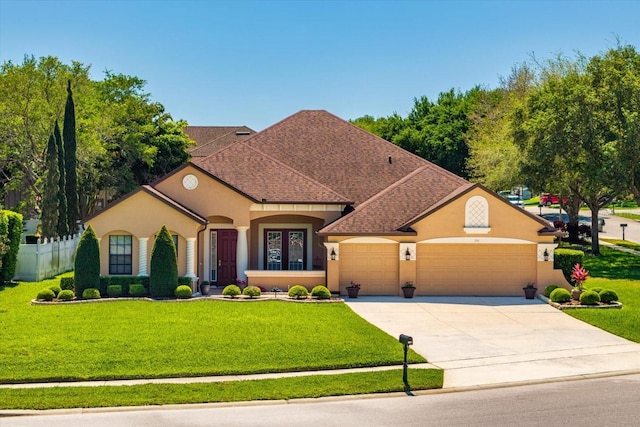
(374, 266)
(482, 269)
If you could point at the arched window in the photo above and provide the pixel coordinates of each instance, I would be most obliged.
(476, 215)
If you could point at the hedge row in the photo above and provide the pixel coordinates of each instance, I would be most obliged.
(10, 235)
(565, 259)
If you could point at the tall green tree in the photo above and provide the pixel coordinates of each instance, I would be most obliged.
(163, 268)
(71, 180)
(50, 193)
(63, 224)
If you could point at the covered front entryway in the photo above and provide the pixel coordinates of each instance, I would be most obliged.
(223, 256)
(474, 269)
(373, 265)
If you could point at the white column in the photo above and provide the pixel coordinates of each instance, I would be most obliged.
(142, 256)
(191, 245)
(242, 253)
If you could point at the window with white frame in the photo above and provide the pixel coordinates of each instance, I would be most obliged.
(120, 249)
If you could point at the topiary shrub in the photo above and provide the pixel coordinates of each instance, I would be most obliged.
(608, 296)
(560, 295)
(231, 291)
(137, 290)
(45, 294)
(565, 259)
(56, 289)
(321, 292)
(91, 293)
(549, 289)
(66, 283)
(163, 269)
(589, 298)
(11, 233)
(87, 262)
(114, 291)
(251, 291)
(182, 292)
(298, 292)
(66, 295)
(597, 289)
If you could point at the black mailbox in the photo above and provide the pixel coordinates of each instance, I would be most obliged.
(405, 339)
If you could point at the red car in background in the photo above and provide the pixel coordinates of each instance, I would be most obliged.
(547, 200)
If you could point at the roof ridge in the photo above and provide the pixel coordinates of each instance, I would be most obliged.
(156, 192)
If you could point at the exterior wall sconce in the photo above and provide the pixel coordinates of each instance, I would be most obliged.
(407, 255)
(546, 255)
(333, 254)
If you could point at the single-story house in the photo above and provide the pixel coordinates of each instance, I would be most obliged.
(315, 200)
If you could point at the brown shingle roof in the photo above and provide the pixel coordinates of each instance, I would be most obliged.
(336, 153)
(392, 210)
(210, 139)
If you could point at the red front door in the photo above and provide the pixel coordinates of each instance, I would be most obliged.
(223, 256)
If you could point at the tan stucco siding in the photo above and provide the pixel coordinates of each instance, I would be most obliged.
(505, 221)
(209, 198)
(481, 269)
(373, 265)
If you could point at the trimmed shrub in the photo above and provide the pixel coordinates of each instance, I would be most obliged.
(45, 294)
(137, 290)
(182, 292)
(565, 259)
(589, 298)
(560, 295)
(321, 292)
(231, 291)
(66, 295)
(607, 296)
(66, 283)
(87, 262)
(91, 293)
(124, 281)
(549, 289)
(597, 289)
(251, 291)
(298, 292)
(114, 291)
(56, 289)
(11, 233)
(163, 271)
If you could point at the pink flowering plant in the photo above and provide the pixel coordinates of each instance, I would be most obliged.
(579, 275)
(354, 285)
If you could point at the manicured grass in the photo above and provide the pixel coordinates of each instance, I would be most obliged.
(631, 216)
(619, 271)
(624, 243)
(141, 339)
(233, 391)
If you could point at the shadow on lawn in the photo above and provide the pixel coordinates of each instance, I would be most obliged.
(613, 264)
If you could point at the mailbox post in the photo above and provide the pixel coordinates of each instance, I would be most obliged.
(623, 226)
(406, 341)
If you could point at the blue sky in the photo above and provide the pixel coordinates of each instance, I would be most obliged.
(256, 62)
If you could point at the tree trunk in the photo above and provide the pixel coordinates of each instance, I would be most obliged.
(572, 208)
(595, 240)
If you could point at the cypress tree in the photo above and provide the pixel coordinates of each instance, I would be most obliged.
(63, 226)
(71, 187)
(87, 262)
(163, 271)
(9, 260)
(50, 194)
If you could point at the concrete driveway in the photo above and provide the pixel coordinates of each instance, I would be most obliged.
(493, 340)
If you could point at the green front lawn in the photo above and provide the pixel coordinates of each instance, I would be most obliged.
(619, 271)
(232, 391)
(141, 339)
(631, 216)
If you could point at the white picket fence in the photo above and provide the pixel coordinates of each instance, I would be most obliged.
(46, 258)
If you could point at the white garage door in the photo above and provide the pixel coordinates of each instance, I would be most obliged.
(374, 266)
(475, 269)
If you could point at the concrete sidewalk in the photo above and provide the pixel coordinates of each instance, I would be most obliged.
(488, 341)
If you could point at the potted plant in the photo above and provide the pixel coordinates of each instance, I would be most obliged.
(353, 289)
(530, 291)
(408, 289)
(205, 287)
(578, 277)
